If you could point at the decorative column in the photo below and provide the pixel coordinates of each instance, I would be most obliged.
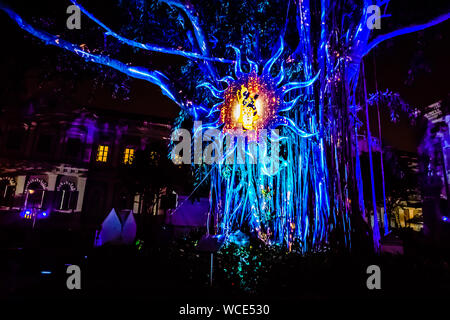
(81, 187)
(51, 181)
(20, 187)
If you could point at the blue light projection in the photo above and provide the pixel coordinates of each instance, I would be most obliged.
(312, 99)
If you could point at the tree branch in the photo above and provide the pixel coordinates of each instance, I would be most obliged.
(199, 34)
(151, 76)
(403, 31)
(147, 46)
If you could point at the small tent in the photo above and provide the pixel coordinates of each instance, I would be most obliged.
(189, 213)
(117, 229)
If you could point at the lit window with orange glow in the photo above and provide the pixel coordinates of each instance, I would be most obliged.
(102, 153)
(128, 156)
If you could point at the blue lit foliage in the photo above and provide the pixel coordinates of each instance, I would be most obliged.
(310, 52)
(247, 195)
(396, 105)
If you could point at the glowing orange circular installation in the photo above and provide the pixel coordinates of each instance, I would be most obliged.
(251, 102)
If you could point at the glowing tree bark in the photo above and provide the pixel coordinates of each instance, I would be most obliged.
(308, 63)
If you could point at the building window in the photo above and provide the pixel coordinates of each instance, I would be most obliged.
(7, 190)
(128, 156)
(137, 203)
(102, 153)
(15, 139)
(73, 147)
(35, 195)
(44, 144)
(154, 157)
(66, 197)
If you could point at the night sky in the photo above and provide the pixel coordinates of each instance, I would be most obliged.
(426, 53)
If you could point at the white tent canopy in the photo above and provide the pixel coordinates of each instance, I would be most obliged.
(115, 230)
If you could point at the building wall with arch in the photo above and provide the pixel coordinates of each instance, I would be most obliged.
(53, 159)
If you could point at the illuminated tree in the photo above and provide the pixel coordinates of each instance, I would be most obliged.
(303, 60)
